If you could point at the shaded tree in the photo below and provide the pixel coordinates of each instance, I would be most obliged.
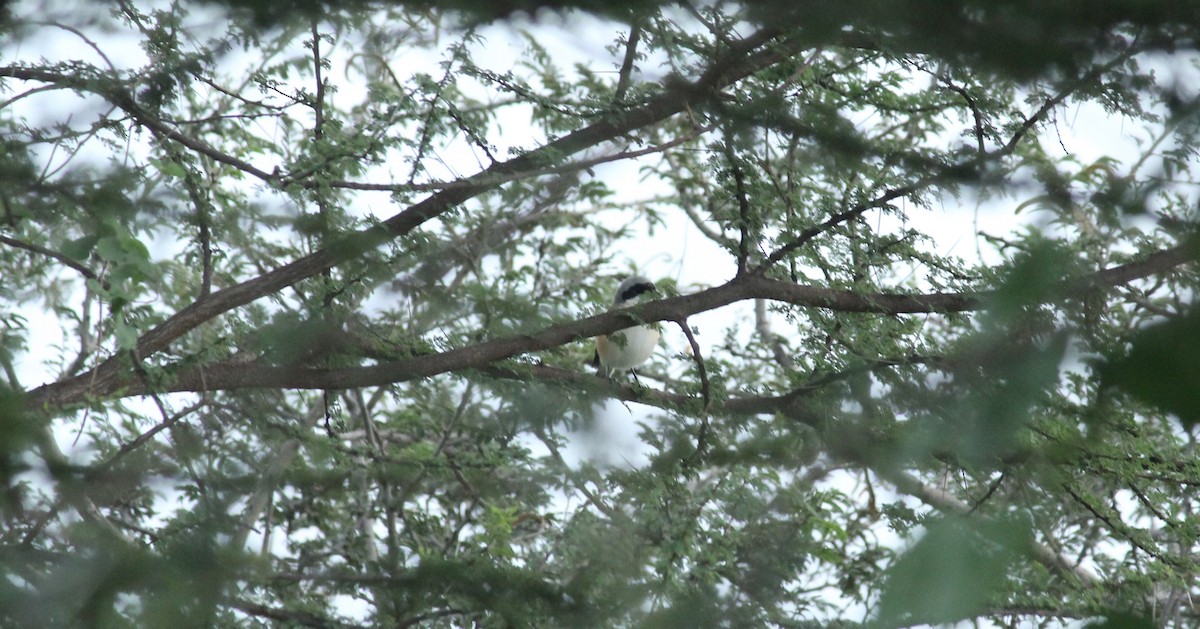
(313, 291)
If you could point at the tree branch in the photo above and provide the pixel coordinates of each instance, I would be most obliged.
(705, 393)
(129, 105)
(54, 255)
(1009, 147)
(812, 232)
(626, 73)
(947, 502)
(749, 56)
(229, 376)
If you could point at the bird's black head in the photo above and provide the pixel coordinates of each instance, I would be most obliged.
(632, 288)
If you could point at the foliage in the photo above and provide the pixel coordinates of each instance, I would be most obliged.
(309, 295)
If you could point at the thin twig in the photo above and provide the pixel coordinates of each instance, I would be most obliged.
(966, 96)
(60, 257)
(699, 360)
(947, 502)
(1134, 536)
(743, 200)
(991, 490)
(625, 76)
(762, 325)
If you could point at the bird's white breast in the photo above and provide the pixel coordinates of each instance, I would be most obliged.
(638, 345)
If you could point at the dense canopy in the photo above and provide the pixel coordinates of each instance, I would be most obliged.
(297, 300)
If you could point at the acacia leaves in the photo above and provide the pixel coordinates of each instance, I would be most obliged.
(954, 572)
(1162, 367)
(316, 302)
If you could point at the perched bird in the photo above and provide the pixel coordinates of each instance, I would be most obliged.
(630, 347)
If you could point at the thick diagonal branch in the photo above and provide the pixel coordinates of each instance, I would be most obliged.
(750, 55)
(228, 376)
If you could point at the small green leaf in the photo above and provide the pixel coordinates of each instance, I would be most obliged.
(126, 335)
(1162, 368)
(20, 432)
(134, 247)
(1036, 276)
(170, 168)
(952, 573)
(80, 248)
(109, 248)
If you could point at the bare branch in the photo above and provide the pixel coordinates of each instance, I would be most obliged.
(626, 73)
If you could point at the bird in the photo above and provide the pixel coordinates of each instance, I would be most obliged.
(629, 347)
